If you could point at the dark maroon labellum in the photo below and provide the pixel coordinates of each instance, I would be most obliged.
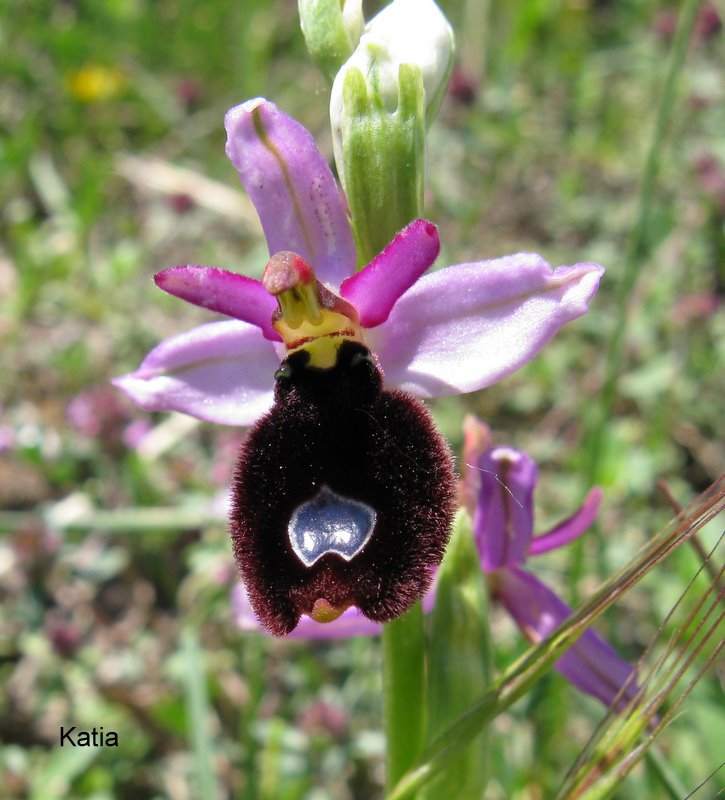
(343, 492)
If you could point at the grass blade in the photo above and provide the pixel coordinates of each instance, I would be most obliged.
(520, 677)
(198, 712)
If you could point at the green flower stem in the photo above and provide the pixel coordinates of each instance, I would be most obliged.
(253, 667)
(58, 771)
(404, 697)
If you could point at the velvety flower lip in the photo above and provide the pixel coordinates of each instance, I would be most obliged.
(455, 330)
(342, 495)
(590, 664)
(350, 623)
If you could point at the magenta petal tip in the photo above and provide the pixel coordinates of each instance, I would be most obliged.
(222, 291)
(465, 327)
(376, 288)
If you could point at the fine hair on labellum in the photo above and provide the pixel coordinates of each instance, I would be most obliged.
(337, 431)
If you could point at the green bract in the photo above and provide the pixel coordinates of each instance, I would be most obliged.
(381, 158)
(383, 98)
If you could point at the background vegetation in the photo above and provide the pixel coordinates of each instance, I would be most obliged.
(115, 567)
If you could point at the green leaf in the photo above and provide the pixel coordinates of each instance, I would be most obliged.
(62, 767)
(459, 662)
(404, 699)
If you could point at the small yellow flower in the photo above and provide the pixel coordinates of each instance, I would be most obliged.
(94, 83)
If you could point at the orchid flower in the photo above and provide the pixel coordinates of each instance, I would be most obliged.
(455, 330)
(343, 492)
(503, 525)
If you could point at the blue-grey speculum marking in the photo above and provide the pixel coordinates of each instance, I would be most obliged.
(330, 523)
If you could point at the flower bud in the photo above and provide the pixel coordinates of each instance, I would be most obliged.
(405, 32)
(332, 30)
(382, 99)
(503, 522)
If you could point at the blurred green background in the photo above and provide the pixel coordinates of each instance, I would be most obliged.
(115, 567)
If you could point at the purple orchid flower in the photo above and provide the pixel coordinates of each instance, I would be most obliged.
(451, 331)
(503, 525)
(330, 510)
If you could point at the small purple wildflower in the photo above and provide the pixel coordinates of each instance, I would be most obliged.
(503, 526)
(101, 413)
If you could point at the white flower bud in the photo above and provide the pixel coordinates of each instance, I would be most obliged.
(411, 32)
(382, 100)
(353, 19)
